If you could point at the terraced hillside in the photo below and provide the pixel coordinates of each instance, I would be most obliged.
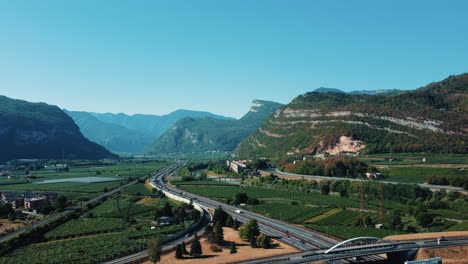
(433, 119)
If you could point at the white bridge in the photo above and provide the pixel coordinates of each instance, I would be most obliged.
(361, 242)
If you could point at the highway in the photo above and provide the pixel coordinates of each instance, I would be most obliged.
(70, 210)
(300, 238)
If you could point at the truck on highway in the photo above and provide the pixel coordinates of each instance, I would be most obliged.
(238, 211)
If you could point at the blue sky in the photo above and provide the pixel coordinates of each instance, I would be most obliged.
(155, 57)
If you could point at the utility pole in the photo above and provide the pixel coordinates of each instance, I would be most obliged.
(382, 203)
(363, 203)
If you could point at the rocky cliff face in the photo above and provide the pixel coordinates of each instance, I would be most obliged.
(38, 130)
(203, 134)
(432, 118)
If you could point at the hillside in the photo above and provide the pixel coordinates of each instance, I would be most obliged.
(203, 134)
(39, 130)
(433, 118)
(129, 134)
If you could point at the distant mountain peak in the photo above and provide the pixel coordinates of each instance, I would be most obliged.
(328, 90)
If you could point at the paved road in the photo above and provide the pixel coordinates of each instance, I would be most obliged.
(70, 210)
(429, 186)
(290, 234)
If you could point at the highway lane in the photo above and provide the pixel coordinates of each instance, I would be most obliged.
(290, 234)
(70, 210)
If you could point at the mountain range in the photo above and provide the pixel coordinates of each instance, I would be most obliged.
(39, 130)
(432, 118)
(130, 133)
(205, 134)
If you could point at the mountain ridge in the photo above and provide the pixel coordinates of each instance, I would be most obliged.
(431, 118)
(208, 134)
(130, 133)
(40, 130)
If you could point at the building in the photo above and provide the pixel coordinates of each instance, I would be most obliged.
(34, 203)
(13, 198)
(50, 196)
(236, 166)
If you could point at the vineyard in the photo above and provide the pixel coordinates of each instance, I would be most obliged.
(81, 227)
(138, 189)
(109, 208)
(94, 249)
(348, 232)
(275, 195)
(288, 212)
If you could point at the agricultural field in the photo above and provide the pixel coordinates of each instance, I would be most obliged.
(418, 174)
(86, 226)
(347, 232)
(92, 249)
(288, 212)
(415, 158)
(267, 194)
(115, 208)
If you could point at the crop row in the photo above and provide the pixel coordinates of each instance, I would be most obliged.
(347, 232)
(288, 212)
(273, 194)
(80, 227)
(96, 249)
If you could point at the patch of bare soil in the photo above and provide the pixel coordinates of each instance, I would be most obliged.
(147, 200)
(346, 144)
(244, 251)
(450, 255)
(7, 224)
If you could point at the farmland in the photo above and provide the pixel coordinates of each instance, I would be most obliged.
(104, 229)
(267, 194)
(88, 226)
(288, 212)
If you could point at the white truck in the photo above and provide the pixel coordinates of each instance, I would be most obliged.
(238, 211)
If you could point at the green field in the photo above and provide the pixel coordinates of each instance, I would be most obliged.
(416, 174)
(348, 232)
(416, 158)
(93, 249)
(87, 226)
(274, 195)
(288, 212)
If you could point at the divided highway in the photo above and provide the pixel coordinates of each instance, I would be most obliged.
(289, 234)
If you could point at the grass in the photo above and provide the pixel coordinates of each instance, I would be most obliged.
(416, 158)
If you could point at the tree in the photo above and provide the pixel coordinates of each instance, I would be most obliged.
(325, 190)
(219, 234)
(233, 248)
(220, 216)
(392, 220)
(210, 234)
(424, 219)
(195, 248)
(263, 241)
(250, 230)
(240, 198)
(167, 210)
(179, 252)
(155, 250)
(61, 202)
(230, 221)
(184, 248)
